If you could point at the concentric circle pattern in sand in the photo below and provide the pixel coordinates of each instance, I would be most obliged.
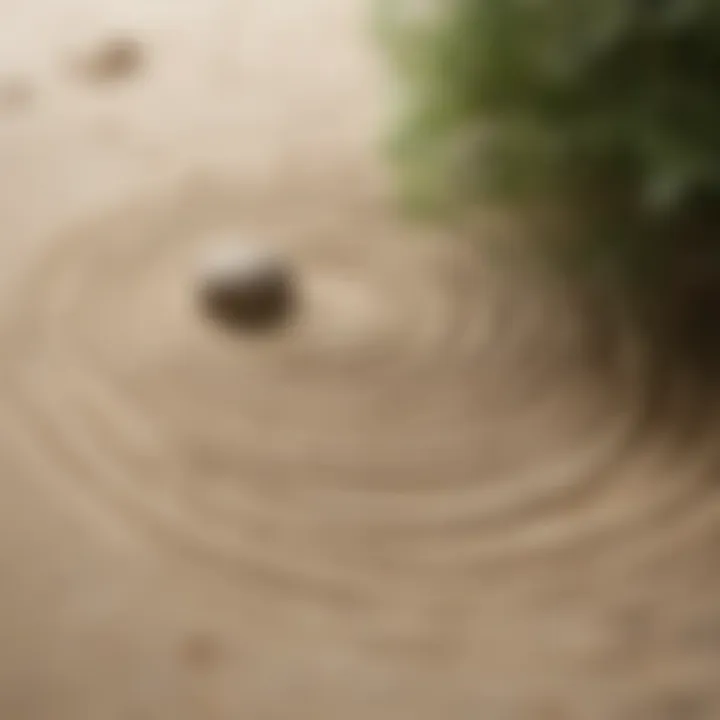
(420, 412)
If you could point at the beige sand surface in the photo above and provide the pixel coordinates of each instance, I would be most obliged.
(417, 503)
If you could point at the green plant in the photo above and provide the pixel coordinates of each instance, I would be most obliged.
(607, 108)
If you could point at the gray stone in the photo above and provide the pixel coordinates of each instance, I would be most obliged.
(246, 286)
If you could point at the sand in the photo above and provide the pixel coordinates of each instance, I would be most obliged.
(419, 501)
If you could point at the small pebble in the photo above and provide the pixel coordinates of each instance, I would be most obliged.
(116, 58)
(246, 286)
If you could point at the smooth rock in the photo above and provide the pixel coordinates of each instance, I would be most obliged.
(246, 286)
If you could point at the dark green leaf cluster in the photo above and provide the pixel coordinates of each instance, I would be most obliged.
(612, 106)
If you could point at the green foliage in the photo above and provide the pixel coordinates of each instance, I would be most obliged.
(608, 107)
